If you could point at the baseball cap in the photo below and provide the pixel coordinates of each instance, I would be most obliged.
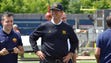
(57, 6)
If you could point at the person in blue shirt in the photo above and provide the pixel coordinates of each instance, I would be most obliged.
(54, 34)
(103, 44)
(10, 41)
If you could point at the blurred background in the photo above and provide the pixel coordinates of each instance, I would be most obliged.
(87, 17)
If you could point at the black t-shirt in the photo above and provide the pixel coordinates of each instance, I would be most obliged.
(54, 39)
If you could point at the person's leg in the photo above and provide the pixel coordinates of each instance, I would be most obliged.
(47, 61)
(70, 61)
(59, 61)
(41, 61)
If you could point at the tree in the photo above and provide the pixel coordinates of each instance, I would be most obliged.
(103, 4)
(6, 5)
(65, 4)
(40, 6)
(74, 7)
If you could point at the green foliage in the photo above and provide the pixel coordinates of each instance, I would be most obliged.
(25, 6)
(6, 5)
(40, 6)
(65, 4)
(74, 7)
(103, 4)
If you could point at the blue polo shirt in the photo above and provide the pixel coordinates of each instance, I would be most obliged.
(9, 41)
(104, 43)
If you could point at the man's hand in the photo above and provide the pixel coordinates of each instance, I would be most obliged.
(40, 54)
(16, 50)
(67, 57)
(74, 58)
(4, 51)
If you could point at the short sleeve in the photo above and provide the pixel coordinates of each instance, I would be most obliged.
(99, 41)
(19, 40)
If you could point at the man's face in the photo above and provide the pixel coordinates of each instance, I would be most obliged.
(7, 23)
(57, 14)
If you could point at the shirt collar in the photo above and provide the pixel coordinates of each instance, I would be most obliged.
(6, 33)
(52, 20)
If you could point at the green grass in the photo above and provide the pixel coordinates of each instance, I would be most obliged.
(29, 55)
(86, 61)
(83, 61)
(32, 55)
(28, 62)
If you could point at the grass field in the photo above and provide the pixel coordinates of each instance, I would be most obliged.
(82, 61)
(32, 55)
(86, 61)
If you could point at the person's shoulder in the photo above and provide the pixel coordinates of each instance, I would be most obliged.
(1, 31)
(67, 24)
(45, 23)
(16, 33)
(104, 33)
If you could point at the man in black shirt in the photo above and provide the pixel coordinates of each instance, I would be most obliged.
(54, 34)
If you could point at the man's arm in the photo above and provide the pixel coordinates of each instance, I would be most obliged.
(97, 54)
(34, 36)
(74, 57)
(21, 49)
(74, 42)
(18, 50)
(67, 58)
